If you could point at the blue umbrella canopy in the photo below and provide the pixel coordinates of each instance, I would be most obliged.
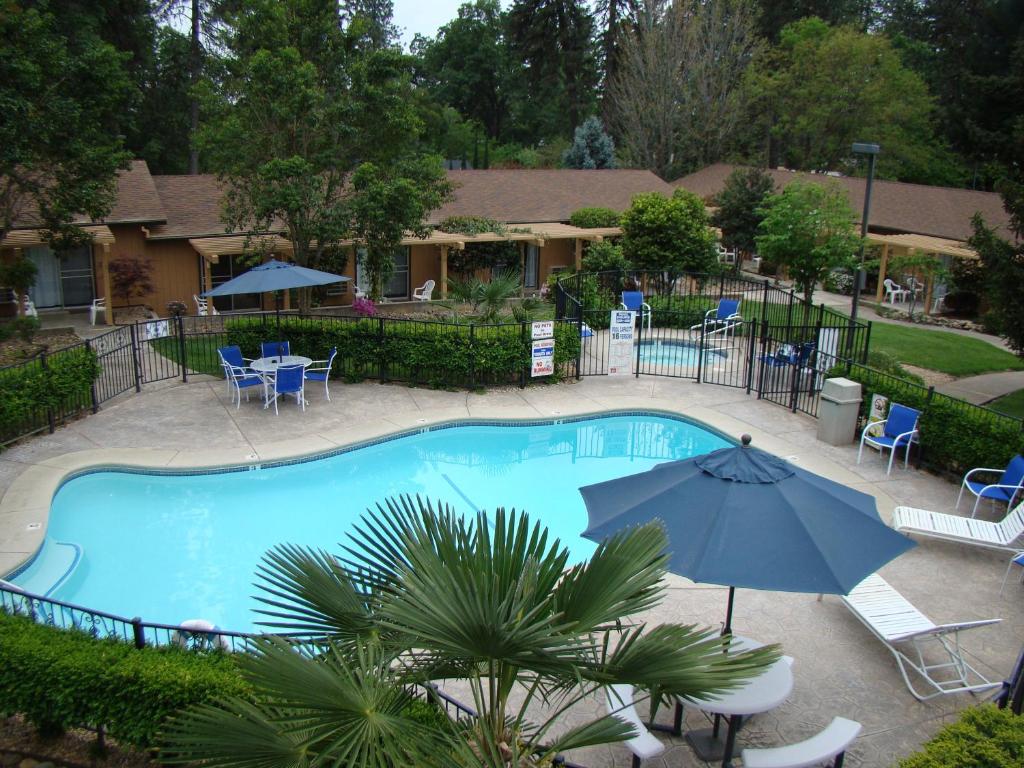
(745, 518)
(275, 276)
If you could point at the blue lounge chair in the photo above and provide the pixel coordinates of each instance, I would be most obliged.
(274, 348)
(288, 380)
(633, 301)
(323, 371)
(238, 375)
(899, 430)
(1005, 489)
(724, 318)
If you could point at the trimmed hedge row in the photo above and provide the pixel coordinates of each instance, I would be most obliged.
(955, 436)
(59, 384)
(439, 354)
(983, 737)
(60, 679)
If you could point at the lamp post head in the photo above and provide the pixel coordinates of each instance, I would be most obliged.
(861, 148)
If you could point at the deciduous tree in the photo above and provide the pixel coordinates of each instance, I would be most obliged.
(740, 204)
(808, 228)
(60, 143)
(668, 233)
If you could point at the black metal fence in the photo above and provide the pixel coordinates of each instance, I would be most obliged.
(777, 346)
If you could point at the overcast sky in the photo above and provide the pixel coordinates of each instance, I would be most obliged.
(424, 16)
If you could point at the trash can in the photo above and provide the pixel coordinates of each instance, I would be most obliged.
(838, 411)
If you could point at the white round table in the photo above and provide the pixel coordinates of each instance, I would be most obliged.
(761, 694)
(271, 364)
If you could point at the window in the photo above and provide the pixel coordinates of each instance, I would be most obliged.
(531, 276)
(395, 288)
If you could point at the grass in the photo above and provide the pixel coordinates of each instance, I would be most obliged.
(1011, 404)
(942, 351)
(200, 351)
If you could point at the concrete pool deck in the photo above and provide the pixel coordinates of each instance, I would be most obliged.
(840, 668)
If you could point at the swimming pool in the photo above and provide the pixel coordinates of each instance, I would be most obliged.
(683, 354)
(173, 547)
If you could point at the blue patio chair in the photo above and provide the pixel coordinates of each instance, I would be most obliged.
(323, 371)
(288, 380)
(899, 430)
(238, 375)
(724, 318)
(633, 301)
(1005, 489)
(788, 354)
(274, 348)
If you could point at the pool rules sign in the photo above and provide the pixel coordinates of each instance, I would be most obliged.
(620, 343)
(543, 358)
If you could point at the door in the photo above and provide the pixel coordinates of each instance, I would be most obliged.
(76, 277)
(531, 275)
(225, 269)
(46, 291)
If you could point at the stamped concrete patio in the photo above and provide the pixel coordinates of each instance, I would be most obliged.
(840, 668)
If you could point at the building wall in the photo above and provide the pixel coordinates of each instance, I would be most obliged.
(556, 253)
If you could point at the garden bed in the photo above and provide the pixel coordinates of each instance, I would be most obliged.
(16, 350)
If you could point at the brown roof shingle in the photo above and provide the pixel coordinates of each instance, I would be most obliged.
(895, 206)
(193, 206)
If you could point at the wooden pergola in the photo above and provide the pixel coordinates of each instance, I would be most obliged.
(911, 243)
(19, 239)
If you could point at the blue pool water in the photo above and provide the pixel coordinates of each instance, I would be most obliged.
(174, 547)
(683, 354)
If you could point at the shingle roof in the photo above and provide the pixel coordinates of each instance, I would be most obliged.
(895, 206)
(193, 205)
(519, 196)
(543, 195)
(137, 201)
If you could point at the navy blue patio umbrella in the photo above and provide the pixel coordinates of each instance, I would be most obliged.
(742, 517)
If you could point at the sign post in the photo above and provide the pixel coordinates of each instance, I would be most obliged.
(542, 362)
(620, 342)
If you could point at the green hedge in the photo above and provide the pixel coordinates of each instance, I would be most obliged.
(591, 218)
(439, 354)
(61, 385)
(59, 679)
(955, 436)
(983, 737)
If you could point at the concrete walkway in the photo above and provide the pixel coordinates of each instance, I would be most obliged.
(984, 388)
(840, 668)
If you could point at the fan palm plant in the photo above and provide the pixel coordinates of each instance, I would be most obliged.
(487, 299)
(422, 594)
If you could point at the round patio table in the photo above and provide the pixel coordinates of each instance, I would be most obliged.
(761, 694)
(271, 364)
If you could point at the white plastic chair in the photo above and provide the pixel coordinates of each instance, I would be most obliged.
(424, 292)
(907, 632)
(97, 308)
(619, 703)
(29, 306)
(831, 742)
(358, 292)
(894, 292)
(204, 306)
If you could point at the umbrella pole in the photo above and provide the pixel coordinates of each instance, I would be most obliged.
(277, 309)
(727, 629)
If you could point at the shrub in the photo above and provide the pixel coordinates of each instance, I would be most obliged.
(983, 736)
(669, 233)
(439, 354)
(592, 218)
(838, 281)
(23, 327)
(59, 679)
(61, 385)
(955, 436)
(605, 257)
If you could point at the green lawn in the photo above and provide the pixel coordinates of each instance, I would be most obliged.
(200, 351)
(942, 351)
(1011, 404)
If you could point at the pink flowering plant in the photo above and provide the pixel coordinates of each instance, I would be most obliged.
(364, 307)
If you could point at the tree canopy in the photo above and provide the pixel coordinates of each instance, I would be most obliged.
(740, 207)
(668, 233)
(591, 147)
(61, 138)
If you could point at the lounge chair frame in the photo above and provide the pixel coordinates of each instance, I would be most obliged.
(908, 633)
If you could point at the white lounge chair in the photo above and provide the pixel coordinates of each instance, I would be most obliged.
(424, 292)
(908, 634)
(831, 742)
(619, 701)
(1007, 535)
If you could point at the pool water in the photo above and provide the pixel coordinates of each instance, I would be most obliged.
(683, 354)
(174, 547)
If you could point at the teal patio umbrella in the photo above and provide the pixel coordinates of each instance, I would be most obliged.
(275, 276)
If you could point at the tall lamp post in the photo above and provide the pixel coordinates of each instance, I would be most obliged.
(871, 150)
